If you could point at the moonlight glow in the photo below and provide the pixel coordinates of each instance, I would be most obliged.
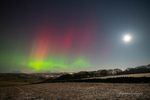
(127, 38)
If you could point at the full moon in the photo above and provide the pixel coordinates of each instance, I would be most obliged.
(127, 38)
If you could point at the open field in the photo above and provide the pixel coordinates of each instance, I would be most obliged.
(9, 83)
(94, 88)
(76, 91)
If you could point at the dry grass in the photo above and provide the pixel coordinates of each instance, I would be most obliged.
(76, 91)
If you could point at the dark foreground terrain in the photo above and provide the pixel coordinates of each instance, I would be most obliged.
(75, 86)
(77, 91)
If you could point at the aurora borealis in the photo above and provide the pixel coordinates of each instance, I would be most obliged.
(50, 52)
(73, 35)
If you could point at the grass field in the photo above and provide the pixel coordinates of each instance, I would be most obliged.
(20, 90)
(76, 91)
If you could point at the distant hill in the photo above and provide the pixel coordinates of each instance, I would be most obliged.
(139, 69)
(90, 75)
(82, 75)
(27, 77)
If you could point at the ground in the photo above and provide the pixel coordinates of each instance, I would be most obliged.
(76, 91)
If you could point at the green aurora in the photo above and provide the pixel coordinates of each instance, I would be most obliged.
(18, 62)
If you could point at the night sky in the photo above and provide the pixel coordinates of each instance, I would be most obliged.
(73, 35)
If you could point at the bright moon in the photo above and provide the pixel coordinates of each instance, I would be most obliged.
(127, 38)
